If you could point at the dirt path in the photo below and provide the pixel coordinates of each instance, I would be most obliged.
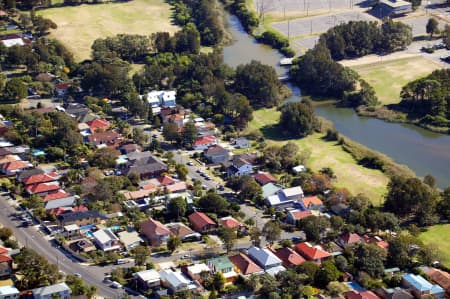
(373, 58)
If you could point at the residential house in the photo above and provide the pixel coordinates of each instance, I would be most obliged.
(80, 112)
(270, 189)
(155, 232)
(231, 223)
(9, 292)
(354, 294)
(130, 239)
(62, 89)
(312, 253)
(289, 257)
(241, 142)
(145, 165)
(5, 265)
(15, 167)
(60, 290)
(147, 279)
(201, 223)
(159, 98)
(239, 167)
(178, 118)
(422, 288)
(203, 142)
(394, 293)
(223, 265)
(264, 178)
(15, 39)
(82, 245)
(284, 197)
(80, 218)
(106, 240)
(43, 189)
(185, 233)
(98, 125)
(28, 173)
(377, 241)
(55, 195)
(311, 203)
(198, 272)
(349, 239)
(266, 259)
(244, 265)
(295, 215)
(129, 148)
(105, 139)
(440, 277)
(175, 281)
(217, 154)
(71, 230)
(40, 178)
(63, 202)
(178, 187)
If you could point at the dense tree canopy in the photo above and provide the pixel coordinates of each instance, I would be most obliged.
(259, 83)
(36, 270)
(298, 119)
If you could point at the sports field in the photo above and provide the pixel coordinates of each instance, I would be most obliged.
(388, 77)
(438, 236)
(354, 177)
(79, 26)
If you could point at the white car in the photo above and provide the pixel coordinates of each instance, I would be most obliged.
(116, 285)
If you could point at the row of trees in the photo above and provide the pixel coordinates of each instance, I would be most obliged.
(359, 38)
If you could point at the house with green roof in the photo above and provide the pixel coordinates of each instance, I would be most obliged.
(223, 265)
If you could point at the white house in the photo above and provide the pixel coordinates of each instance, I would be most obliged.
(106, 240)
(240, 167)
(148, 278)
(285, 196)
(9, 292)
(158, 98)
(203, 143)
(59, 290)
(175, 280)
(266, 260)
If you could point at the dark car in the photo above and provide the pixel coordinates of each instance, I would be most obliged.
(446, 59)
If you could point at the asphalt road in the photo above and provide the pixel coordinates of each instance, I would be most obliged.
(32, 238)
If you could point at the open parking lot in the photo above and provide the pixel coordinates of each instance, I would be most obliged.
(419, 24)
(319, 24)
(306, 43)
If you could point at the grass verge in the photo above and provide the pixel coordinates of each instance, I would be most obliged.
(438, 236)
(79, 26)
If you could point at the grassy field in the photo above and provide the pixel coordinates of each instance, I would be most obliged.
(439, 237)
(388, 78)
(79, 26)
(355, 178)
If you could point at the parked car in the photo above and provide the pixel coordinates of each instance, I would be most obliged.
(445, 59)
(116, 285)
(190, 163)
(439, 46)
(121, 261)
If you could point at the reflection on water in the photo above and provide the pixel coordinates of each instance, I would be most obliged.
(423, 151)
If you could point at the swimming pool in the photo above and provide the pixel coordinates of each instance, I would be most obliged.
(355, 286)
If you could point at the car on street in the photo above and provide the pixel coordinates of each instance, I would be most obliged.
(116, 285)
(190, 163)
(208, 178)
(78, 275)
(220, 188)
(204, 187)
(446, 59)
(186, 257)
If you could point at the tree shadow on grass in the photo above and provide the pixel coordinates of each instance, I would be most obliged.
(273, 132)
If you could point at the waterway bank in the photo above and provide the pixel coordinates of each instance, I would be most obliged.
(422, 151)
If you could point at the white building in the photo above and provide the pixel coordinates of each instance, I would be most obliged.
(130, 239)
(175, 280)
(59, 290)
(106, 240)
(9, 292)
(158, 98)
(285, 196)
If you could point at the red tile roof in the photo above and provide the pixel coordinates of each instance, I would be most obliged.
(244, 264)
(312, 200)
(230, 222)
(165, 180)
(177, 187)
(5, 258)
(264, 178)
(15, 165)
(310, 252)
(288, 256)
(376, 240)
(40, 178)
(153, 227)
(59, 211)
(3, 250)
(43, 187)
(205, 140)
(200, 220)
(350, 238)
(440, 277)
(297, 215)
(98, 124)
(56, 195)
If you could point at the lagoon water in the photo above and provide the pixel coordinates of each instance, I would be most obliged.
(423, 151)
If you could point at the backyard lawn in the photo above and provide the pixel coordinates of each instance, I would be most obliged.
(438, 236)
(79, 26)
(355, 178)
(388, 77)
